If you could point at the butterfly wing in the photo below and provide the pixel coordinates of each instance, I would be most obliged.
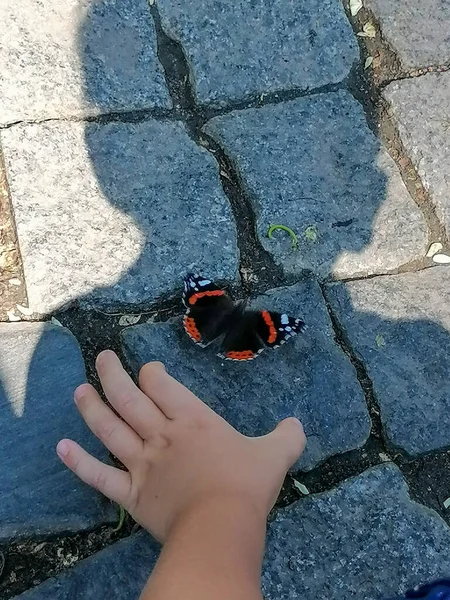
(242, 341)
(255, 331)
(276, 328)
(207, 309)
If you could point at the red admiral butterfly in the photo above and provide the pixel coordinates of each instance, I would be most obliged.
(211, 314)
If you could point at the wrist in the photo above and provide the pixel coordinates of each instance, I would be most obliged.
(223, 533)
(224, 507)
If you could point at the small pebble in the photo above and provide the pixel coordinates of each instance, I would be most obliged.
(441, 259)
(12, 316)
(25, 310)
(434, 248)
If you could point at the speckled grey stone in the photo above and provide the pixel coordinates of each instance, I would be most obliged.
(40, 367)
(400, 326)
(116, 573)
(309, 377)
(421, 107)
(115, 213)
(365, 540)
(419, 32)
(77, 58)
(239, 49)
(313, 164)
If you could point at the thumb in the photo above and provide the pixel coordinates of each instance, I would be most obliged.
(289, 441)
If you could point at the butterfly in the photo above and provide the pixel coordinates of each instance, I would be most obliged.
(211, 314)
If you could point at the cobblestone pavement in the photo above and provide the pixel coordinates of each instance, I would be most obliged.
(142, 140)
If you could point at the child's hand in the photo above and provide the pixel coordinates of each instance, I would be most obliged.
(178, 452)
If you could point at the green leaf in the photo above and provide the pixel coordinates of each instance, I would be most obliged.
(311, 233)
(301, 488)
(121, 519)
(368, 31)
(288, 230)
(380, 341)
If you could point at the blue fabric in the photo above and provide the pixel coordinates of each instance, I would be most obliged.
(439, 590)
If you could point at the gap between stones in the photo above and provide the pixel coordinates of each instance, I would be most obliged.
(366, 86)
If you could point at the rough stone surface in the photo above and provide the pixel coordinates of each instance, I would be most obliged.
(117, 573)
(77, 58)
(115, 213)
(239, 49)
(417, 31)
(40, 366)
(313, 164)
(421, 107)
(366, 539)
(400, 326)
(309, 377)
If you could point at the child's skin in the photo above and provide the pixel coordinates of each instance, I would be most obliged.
(200, 487)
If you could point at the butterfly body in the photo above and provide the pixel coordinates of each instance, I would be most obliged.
(212, 315)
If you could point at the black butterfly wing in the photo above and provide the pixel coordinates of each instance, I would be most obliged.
(207, 309)
(242, 341)
(255, 331)
(277, 328)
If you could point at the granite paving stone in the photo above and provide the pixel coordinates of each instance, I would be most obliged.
(313, 165)
(240, 49)
(309, 377)
(40, 367)
(115, 213)
(116, 573)
(400, 327)
(421, 107)
(419, 32)
(366, 539)
(77, 58)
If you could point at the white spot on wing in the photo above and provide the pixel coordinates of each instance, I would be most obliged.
(284, 319)
(204, 282)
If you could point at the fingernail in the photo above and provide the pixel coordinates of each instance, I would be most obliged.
(62, 449)
(78, 394)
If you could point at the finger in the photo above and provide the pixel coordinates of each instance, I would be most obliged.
(116, 435)
(167, 393)
(111, 482)
(133, 405)
(288, 440)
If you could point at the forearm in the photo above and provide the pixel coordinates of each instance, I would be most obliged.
(214, 551)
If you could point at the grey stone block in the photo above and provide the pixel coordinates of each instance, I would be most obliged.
(366, 539)
(417, 31)
(115, 213)
(309, 377)
(421, 107)
(79, 58)
(116, 573)
(40, 367)
(313, 164)
(400, 327)
(240, 49)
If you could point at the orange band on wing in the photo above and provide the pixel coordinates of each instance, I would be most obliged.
(270, 324)
(191, 329)
(244, 355)
(193, 299)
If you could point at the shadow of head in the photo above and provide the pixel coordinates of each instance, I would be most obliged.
(316, 165)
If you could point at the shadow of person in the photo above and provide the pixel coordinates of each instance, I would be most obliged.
(154, 176)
